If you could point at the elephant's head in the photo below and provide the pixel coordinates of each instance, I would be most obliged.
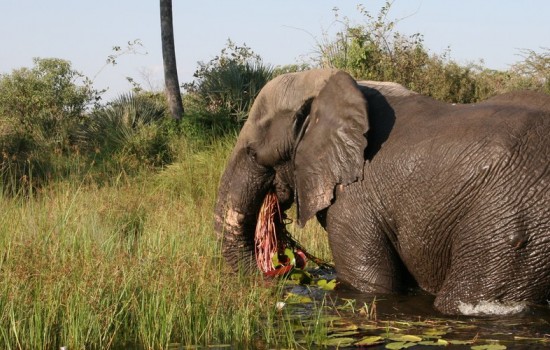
(305, 135)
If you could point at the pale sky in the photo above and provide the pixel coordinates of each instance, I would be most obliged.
(281, 31)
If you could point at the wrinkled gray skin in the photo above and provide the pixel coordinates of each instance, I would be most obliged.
(454, 199)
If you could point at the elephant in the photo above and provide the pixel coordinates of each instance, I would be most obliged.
(414, 193)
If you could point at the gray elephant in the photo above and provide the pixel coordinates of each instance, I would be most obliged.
(454, 199)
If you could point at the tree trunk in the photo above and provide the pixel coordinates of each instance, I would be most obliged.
(173, 94)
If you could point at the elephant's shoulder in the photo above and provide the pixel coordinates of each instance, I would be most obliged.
(385, 88)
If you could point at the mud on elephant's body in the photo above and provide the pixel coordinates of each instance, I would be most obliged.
(453, 198)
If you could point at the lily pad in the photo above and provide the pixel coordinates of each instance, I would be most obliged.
(399, 345)
(368, 341)
(343, 327)
(438, 342)
(407, 338)
(325, 319)
(327, 285)
(489, 347)
(368, 326)
(430, 343)
(339, 342)
(292, 298)
(300, 276)
(460, 342)
(517, 337)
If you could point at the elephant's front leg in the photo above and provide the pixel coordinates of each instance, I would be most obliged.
(363, 255)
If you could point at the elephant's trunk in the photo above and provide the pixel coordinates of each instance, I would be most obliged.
(243, 187)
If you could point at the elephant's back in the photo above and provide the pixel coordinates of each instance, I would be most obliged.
(501, 122)
(528, 100)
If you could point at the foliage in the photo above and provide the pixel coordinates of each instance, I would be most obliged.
(228, 83)
(290, 68)
(534, 69)
(59, 136)
(133, 47)
(24, 165)
(130, 130)
(128, 265)
(374, 50)
(48, 97)
(40, 109)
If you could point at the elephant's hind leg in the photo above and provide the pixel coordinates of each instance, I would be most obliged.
(503, 272)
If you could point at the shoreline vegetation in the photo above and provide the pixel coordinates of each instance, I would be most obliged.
(106, 233)
(132, 262)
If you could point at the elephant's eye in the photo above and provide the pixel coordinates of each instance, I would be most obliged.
(251, 153)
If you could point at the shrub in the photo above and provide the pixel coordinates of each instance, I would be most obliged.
(23, 167)
(46, 101)
(290, 68)
(229, 83)
(374, 50)
(40, 109)
(534, 71)
(129, 130)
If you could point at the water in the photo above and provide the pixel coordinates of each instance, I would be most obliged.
(511, 330)
(410, 321)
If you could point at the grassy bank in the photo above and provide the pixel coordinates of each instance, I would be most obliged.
(132, 262)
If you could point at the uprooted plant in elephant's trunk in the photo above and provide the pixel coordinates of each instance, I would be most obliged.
(275, 249)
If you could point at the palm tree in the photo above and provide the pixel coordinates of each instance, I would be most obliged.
(173, 94)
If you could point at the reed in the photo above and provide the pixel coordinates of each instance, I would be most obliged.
(132, 263)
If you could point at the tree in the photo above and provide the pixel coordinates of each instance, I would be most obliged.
(173, 94)
(49, 98)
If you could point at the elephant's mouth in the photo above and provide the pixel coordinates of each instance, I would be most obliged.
(262, 241)
(250, 220)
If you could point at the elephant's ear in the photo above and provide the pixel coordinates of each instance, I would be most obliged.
(332, 145)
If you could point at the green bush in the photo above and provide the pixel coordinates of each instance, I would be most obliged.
(23, 166)
(290, 68)
(129, 130)
(229, 83)
(374, 50)
(40, 110)
(47, 100)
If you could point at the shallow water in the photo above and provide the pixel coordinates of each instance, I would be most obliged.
(411, 321)
(510, 330)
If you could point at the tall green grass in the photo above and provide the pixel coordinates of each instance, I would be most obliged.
(132, 263)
